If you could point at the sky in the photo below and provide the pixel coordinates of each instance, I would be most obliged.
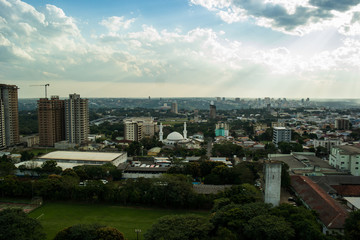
(181, 48)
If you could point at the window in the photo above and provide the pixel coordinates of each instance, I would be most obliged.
(357, 168)
(342, 162)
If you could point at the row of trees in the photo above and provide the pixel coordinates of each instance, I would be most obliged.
(211, 172)
(174, 191)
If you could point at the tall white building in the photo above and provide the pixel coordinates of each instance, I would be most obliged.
(281, 134)
(76, 119)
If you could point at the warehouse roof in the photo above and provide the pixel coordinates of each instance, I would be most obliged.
(82, 156)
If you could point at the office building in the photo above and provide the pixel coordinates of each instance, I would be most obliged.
(174, 107)
(9, 135)
(281, 134)
(51, 119)
(138, 128)
(76, 119)
(212, 113)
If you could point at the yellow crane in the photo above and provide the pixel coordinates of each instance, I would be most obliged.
(42, 85)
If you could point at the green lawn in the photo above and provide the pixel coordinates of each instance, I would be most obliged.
(57, 216)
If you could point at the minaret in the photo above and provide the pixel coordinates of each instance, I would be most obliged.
(161, 134)
(185, 132)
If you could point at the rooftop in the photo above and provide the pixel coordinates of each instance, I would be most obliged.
(330, 212)
(349, 149)
(84, 156)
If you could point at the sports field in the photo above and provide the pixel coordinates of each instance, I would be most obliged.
(57, 216)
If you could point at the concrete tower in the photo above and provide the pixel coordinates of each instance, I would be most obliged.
(185, 131)
(272, 183)
(161, 134)
(212, 113)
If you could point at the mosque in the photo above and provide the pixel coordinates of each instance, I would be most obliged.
(174, 138)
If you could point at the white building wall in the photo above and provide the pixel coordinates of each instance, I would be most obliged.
(272, 183)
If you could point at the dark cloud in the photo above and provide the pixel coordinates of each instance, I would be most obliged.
(301, 16)
(338, 5)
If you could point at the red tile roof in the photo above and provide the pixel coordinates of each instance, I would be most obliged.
(330, 212)
(347, 190)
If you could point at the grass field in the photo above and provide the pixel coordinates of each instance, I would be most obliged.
(56, 216)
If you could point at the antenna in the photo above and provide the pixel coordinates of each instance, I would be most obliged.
(43, 85)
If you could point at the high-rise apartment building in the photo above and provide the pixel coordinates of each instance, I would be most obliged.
(138, 128)
(281, 134)
(9, 116)
(212, 113)
(342, 124)
(76, 119)
(174, 107)
(51, 118)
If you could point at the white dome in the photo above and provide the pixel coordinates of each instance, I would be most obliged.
(174, 136)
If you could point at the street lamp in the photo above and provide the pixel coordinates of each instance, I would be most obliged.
(137, 233)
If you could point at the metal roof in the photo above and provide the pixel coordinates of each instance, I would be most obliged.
(81, 156)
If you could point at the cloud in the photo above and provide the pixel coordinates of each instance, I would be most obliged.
(114, 23)
(291, 17)
(48, 45)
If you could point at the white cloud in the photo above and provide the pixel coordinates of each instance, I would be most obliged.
(114, 23)
(48, 45)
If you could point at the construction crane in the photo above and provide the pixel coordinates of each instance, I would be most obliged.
(43, 85)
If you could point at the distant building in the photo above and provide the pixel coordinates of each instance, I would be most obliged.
(327, 143)
(51, 120)
(76, 119)
(138, 128)
(277, 124)
(281, 134)
(342, 124)
(212, 113)
(222, 129)
(9, 116)
(31, 140)
(174, 107)
(346, 158)
(237, 99)
(272, 183)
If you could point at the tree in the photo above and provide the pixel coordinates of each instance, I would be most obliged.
(16, 225)
(108, 233)
(81, 232)
(179, 227)
(352, 226)
(268, 227)
(50, 167)
(6, 168)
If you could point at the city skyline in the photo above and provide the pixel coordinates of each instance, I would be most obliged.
(204, 48)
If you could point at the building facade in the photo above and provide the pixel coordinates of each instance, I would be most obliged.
(326, 143)
(136, 129)
(76, 119)
(174, 107)
(222, 129)
(342, 124)
(346, 158)
(9, 116)
(281, 134)
(51, 118)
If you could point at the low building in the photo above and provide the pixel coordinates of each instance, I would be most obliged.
(70, 159)
(346, 158)
(31, 140)
(330, 213)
